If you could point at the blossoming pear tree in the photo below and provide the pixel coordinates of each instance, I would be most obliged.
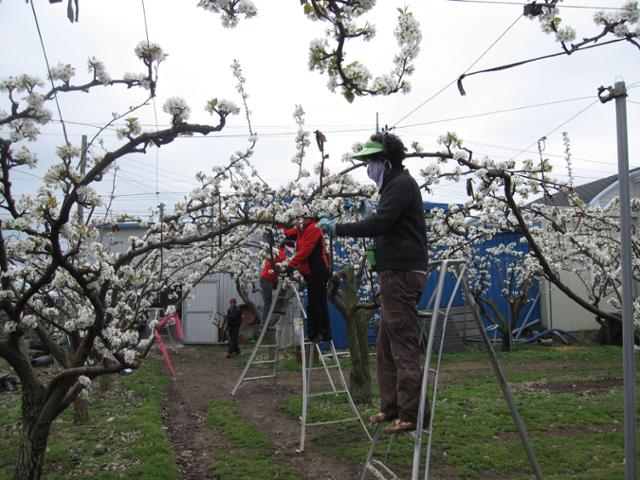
(328, 54)
(63, 286)
(88, 304)
(579, 238)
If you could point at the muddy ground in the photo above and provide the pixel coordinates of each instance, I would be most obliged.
(204, 374)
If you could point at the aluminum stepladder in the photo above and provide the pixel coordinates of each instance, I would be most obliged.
(341, 389)
(290, 295)
(279, 296)
(377, 467)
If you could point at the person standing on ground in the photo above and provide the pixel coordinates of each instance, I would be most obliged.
(234, 318)
(399, 231)
(311, 261)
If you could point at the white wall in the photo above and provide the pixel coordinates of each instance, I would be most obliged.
(206, 305)
(559, 311)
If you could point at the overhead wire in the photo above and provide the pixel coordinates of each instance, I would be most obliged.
(153, 100)
(632, 85)
(366, 128)
(558, 127)
(495, 112)
(468, 68)
(497, 2)
(46, 60)
(530, 60)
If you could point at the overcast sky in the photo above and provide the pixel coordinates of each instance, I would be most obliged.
(535, 100)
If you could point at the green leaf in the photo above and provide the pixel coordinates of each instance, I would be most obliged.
(349, 95)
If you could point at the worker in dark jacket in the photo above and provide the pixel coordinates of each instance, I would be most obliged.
(311, 261)
(234, 319)
(400, 252)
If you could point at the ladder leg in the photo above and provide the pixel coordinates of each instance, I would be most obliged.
(504, 385)
(324, 364)
(415, 468)
(303, 416)
(372, 449)
(276, 353)
(348, 393)
(258, 342)
(436, 376)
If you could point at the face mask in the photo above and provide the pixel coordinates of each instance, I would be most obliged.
(375, 170)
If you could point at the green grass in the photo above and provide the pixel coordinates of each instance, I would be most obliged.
(574, 435)
(287, 359)
(124, 437)
(250, 454)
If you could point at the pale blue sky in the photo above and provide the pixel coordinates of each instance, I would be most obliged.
(272, 49)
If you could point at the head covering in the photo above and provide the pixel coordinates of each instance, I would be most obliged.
(372, 147)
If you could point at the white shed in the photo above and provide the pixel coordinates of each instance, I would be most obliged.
(204, 309)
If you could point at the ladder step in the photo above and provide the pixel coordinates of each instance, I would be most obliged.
(246, 379)
(324, 394)
(330, 422)
(322, 368)
(380, 474)
(263, 362)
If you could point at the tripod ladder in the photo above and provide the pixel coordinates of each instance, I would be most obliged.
(377, 467)
(328, 362)
(270, 349)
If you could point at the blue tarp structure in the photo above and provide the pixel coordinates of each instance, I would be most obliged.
(494, 291)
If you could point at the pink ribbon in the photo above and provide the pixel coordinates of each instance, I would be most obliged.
(163, 348)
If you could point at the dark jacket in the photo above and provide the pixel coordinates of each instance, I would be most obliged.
(234, 315)
(398, 225)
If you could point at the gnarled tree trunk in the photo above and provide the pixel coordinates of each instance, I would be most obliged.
(33, 442)
(360, 377)
(357, 323)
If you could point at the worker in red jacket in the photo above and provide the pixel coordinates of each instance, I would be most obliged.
(311, 261)
(269, 279)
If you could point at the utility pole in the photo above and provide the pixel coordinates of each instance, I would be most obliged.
(83, 169)
(161, 238)
(619, 94)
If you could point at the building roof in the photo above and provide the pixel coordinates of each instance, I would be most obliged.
(586, 192)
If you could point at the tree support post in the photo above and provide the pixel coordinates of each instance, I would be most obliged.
(619, 94)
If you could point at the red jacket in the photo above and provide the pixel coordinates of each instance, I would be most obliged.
(269, 272)
(306, 242)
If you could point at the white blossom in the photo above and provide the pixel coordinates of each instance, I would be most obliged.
(178, 109)
(150, 52)
(62, 72)
(99, 71)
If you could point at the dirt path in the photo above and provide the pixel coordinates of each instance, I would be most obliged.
(204, 374)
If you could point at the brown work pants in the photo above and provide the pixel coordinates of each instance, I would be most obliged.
(398, 346)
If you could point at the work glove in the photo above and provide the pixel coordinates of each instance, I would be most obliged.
(365, 208)
(327, 225)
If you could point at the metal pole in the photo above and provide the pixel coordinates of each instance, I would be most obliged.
(504, 385)
(620, 93)
(83, 169)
